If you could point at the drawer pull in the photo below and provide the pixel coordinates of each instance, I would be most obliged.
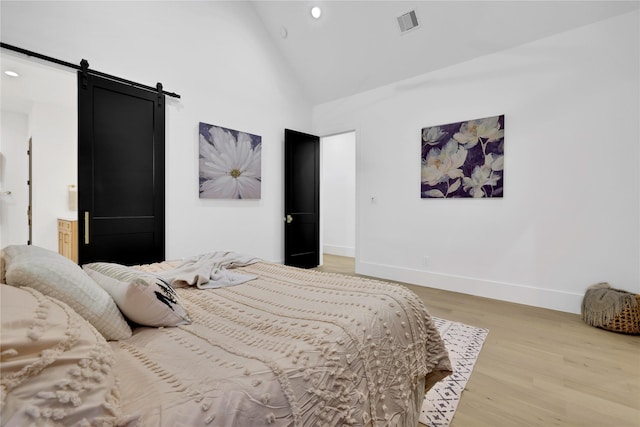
(86, 227)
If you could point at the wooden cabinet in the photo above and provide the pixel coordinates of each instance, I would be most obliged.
(68, 238)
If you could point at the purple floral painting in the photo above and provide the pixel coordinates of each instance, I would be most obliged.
(229, 163)
(464, 159)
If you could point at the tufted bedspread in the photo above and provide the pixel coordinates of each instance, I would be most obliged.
(291, 348)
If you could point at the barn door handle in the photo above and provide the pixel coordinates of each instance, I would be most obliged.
(86, 227)
(289, 219)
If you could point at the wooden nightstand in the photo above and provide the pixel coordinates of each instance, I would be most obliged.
(68, 238)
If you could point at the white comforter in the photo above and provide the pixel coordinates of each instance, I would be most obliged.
(290, 348)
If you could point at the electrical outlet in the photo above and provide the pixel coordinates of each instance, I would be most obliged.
(425, 260)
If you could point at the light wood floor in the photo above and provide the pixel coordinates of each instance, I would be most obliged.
(538, 367)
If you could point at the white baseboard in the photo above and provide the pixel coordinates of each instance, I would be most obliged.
(339, 250)
(528, 295)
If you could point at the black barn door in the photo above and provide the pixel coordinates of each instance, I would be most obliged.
(120, 172)
(301, 199)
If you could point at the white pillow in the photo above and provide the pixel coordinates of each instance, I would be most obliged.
(56, 368)
(143, 297)
(62, 279)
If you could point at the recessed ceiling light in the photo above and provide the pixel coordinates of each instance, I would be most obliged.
(11, 73)
(316, 12)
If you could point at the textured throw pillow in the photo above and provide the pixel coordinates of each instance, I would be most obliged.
(143, 297)
(57, 370)
(60, 278)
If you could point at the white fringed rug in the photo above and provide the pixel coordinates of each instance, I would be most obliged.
(463, 342)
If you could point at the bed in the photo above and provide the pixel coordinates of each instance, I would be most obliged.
(262, 344)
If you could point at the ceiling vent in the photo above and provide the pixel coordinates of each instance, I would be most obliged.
(408, 21)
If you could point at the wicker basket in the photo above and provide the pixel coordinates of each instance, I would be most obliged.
(628, 321)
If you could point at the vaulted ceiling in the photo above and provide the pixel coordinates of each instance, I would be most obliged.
(357, 45)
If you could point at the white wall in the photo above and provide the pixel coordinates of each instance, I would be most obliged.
(14, 229)
(570, 215)
(338, 194)
(221, 61)
(54, 133)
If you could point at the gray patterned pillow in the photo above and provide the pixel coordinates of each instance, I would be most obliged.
(143, 297)
(62, 279)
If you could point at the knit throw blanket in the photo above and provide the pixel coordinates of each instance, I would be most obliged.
(602, 304)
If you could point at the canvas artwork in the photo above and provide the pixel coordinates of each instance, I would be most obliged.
(230, 163)
(463, 159)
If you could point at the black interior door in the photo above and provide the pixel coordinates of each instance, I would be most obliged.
(120, 172)
(302, 199)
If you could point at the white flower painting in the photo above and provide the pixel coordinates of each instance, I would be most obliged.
(230, 163)
(464, 159)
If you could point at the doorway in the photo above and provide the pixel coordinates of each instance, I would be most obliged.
(338, 194)
(320, 197)
(40, 103)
